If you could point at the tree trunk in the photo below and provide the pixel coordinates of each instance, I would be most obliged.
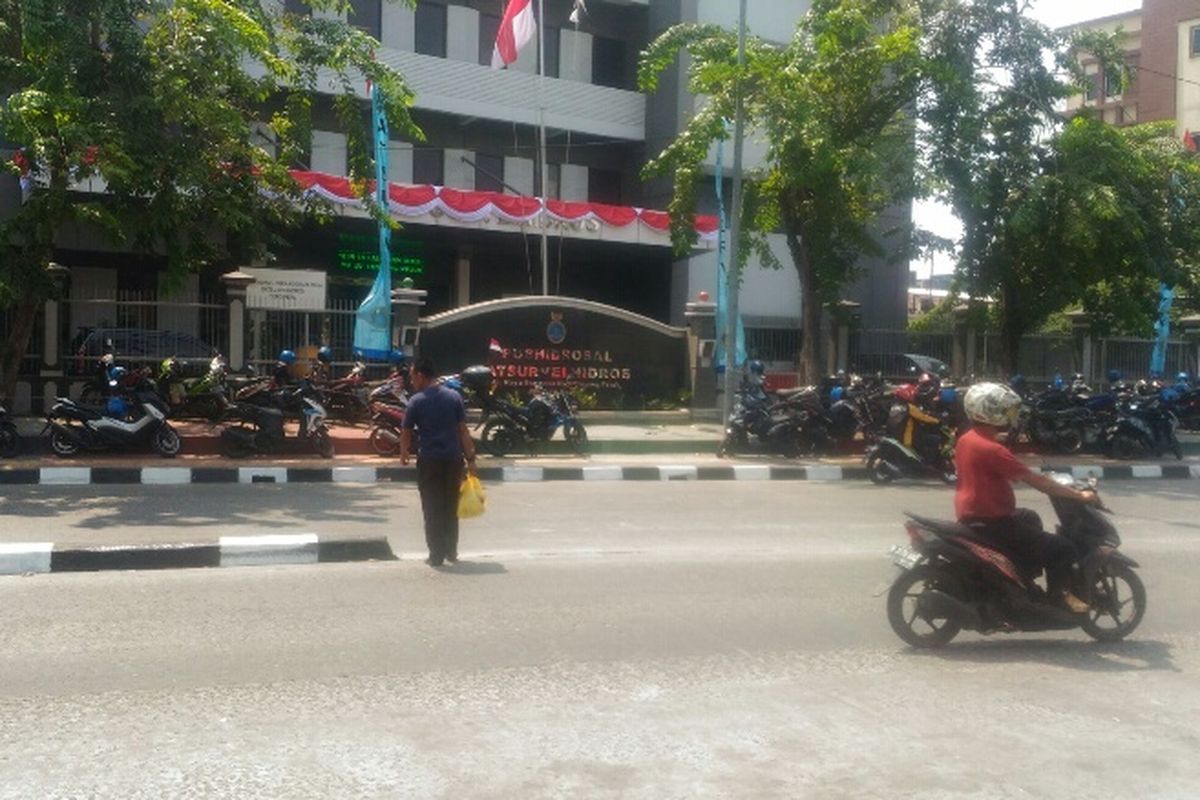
(12, 353)
(810, 307)
(1011, 329)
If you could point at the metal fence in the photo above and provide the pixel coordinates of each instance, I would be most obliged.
(867, 343)
(776, 346)
(270, 331)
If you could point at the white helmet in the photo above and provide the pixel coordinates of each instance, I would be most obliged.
(992, 404)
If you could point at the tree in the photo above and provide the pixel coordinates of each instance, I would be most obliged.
(155, 97)
(831, 105)
(1055, 211)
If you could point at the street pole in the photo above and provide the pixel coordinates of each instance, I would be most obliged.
(734, 273)
(542, 141)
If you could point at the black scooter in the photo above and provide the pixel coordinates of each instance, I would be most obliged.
(10, 441)
(952, 578)
(256, 428)
(890, 459)
(121, 425)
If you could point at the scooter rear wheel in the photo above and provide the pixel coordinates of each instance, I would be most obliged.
(233, 446)
(62, 444)
(381, 444)
(576, 436)
(880, 472)
(322, 444)
(904, 610)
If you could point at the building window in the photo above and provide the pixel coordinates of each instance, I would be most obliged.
(429, 166)
(553, 188)
(604, 186)
(489, 173)
(1112, 83)
(1091, 87)
(489, 26)
(431, 30)
(367, 15)
(608, 62)
(1195, 40)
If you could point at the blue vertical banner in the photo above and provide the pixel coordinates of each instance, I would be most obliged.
(1162, 331)
(722, 271)
(373, 323)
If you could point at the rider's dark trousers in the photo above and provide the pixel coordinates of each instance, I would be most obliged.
(1021, 536)
(438, 481)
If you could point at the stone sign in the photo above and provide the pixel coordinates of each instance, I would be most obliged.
(625, 359)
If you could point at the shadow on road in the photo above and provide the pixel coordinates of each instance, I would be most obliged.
(474, 568)
(198, 506)
(1088, 656)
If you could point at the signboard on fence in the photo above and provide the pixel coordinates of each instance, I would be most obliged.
(286, 289)
(624, 359)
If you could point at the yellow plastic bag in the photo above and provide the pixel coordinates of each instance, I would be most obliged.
(471, 498)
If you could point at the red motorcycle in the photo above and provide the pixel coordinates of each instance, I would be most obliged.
(387, 403)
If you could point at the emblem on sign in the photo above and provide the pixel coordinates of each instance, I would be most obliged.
(556, 331)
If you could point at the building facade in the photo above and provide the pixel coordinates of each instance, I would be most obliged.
(1162, 45)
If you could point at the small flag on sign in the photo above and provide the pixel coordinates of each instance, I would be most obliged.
(578, 13)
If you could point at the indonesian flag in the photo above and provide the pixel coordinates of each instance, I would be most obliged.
(1189, 141)
(516, 30)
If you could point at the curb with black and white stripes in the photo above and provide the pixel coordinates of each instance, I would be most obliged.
(21, 558)
(168, 476)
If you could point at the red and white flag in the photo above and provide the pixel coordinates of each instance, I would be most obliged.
(516, 30)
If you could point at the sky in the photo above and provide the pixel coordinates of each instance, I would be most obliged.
(1054, 13)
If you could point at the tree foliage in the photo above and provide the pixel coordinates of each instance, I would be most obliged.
(831, 105)
(161, 100)
(1055, 210)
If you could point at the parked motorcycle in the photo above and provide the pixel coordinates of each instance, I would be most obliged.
(1145, 427)
(388, 402)
(202, 398)
(346, 398)
(254, 428)
(890, 459)
(10, 441)
(122, 425)
(508, 427)
(952, 578)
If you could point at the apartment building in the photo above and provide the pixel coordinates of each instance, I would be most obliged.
(1162, 43)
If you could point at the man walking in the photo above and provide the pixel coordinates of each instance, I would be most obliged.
(443, 443)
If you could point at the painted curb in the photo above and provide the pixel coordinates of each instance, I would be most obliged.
(366, 475)
(23, 558)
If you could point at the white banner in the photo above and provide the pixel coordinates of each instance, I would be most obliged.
(287, 289)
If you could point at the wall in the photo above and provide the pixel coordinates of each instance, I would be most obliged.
(1187, 111)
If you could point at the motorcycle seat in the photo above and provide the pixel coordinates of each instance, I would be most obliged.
(940, 526)
(77, 410)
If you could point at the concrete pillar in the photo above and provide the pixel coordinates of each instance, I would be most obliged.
(843, 315)
(462, 34)
(407, 303)
(958, 350)
(236, 283)
(399, 27)
(1191, 332)
(50, 365)
(972, 360)
(1081, 323)
(462, 278)
(701, 317)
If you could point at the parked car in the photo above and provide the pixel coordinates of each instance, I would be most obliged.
(138, 347)
(900, 367)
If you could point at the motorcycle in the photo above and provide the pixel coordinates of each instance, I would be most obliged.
(952, 579)
(202, 397)
(508, 427)
(255, 428)
(122, 425)
(890, 459)
(387, 402)
(1145, 427)
(10, 441)
(345, 398)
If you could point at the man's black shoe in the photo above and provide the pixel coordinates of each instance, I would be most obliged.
(433, 563)
(452, 559)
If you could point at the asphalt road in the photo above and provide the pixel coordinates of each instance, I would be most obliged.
(600, 640)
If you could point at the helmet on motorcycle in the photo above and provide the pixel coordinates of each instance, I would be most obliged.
(324, 355)
(756, 367)
(397, 357)
(948, 396)
(287, 357)
(992, 404)
(116, 407)
(1115, 375)
(836, 394)
(1169, 395)
(117, 374)
(1183, 377)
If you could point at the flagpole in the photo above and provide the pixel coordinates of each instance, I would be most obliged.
(734, 273)
(542, 142)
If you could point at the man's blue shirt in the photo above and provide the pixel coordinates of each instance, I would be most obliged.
(436, 413)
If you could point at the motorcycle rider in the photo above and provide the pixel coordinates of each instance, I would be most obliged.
(984, 500)
(922, 429)
(283, 369)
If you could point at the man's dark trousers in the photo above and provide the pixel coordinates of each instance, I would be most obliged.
(438, 481)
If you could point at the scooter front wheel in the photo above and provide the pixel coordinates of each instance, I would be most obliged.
(234, 446)
(166, 441)
(880, 472)
(322, 444)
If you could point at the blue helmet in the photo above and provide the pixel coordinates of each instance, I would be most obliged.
(287, 357)
(756, 367)
(1115, 375)
(1169, 395)
(1183, 377)
(116, 407)
(949, 396)
(397, 357)
(837, 393)
(324, 355)
(117, 374)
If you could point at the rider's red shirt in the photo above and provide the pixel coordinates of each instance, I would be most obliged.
(986, 470)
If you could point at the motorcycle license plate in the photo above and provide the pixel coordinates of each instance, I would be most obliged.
(905, 557)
